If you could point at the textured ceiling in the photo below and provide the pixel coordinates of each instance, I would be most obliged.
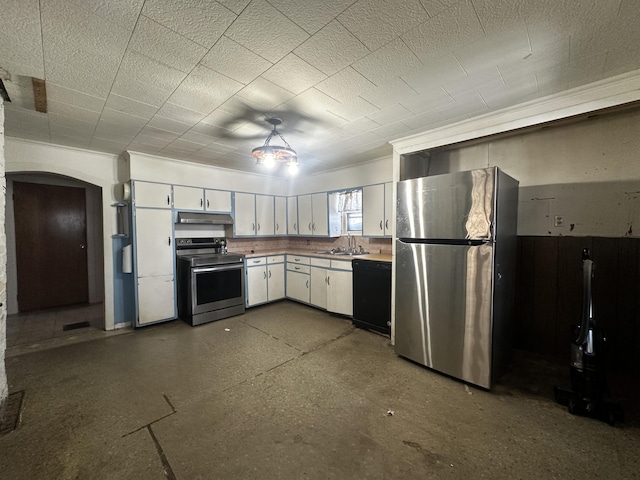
(195, 79)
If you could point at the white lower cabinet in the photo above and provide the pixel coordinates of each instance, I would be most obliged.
(275, 278)
(265, 279)
(340, 292)
(155, 299)
(298, 286)
(298, 278)
(318, 279)
(256, 284)
(154, 264)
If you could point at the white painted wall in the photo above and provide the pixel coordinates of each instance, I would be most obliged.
(379, 170)
(159, 169)
(586, 172)
(91, 167)
(4, 389)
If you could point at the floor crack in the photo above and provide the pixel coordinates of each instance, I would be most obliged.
(166, 466)
(173, 410)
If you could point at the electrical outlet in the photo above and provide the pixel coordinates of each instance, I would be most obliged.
(558, 221)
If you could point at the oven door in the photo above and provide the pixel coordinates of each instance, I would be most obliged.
(216, 287)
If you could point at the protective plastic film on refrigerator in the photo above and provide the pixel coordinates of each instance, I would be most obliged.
(455, 272)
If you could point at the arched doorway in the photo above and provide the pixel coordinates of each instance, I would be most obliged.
(34, 316)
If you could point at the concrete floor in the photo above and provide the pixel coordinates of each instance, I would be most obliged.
(286, 391)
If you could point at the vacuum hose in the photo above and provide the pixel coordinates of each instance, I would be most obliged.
(588, 268)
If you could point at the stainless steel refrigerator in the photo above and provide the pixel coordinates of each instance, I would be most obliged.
(455, 272)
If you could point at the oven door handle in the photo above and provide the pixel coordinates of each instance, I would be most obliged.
(218, 268)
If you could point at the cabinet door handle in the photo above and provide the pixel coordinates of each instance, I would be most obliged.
(269, 273)
(314, 227)
(207, 203)
(307, 283)
(168, 200)
(258, 227)
(256, 261)
(277, 227)
(295, 227)
(201, 204)
(297, 268)
(265, 275)
(380, 224)
(253, 227)
(328, 280)
(309, 226)
(386, 224)
(169, 240)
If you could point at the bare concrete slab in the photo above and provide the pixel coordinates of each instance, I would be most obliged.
(286, 391)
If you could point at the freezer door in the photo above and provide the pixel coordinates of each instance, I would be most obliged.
(443, 308)
(452, 206)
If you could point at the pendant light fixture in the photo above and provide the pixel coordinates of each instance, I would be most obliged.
(268, 154)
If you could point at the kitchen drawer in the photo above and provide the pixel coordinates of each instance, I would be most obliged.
(320, 262)
(341, 265)
(296, 267)
(253, 261)
(298, 259)
(275, 259)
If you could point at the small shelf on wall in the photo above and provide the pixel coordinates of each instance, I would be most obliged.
(121, 220)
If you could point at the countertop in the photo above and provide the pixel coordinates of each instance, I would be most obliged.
(380, 257)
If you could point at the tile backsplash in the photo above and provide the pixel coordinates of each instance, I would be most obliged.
(312, 244)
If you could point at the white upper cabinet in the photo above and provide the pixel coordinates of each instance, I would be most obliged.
(280, 215)
(152, 195)
(292, 215)
(244, 206)
(265, 215)
(373, 210)
(389, 219)
(217, 201)
(188, 198)
(313, 214)
(377, 210)
(305, 215)
(320, 214)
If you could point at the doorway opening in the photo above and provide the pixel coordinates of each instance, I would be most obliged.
(55, 257)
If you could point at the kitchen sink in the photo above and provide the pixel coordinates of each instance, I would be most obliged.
(341, 252)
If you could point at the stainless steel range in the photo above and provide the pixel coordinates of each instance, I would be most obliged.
(210, 280)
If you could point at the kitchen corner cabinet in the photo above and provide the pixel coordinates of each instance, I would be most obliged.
(280, 215)
(292, 215)
(152, 195)
(265, 279)
(377, 210)
(313, 214)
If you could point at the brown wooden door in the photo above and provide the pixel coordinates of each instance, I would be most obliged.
(51, 245)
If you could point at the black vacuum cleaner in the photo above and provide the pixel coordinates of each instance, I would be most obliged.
(588, 394)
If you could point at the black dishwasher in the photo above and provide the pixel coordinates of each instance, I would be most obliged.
(372, 295)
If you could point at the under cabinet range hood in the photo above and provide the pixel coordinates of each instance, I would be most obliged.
(201, 218)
